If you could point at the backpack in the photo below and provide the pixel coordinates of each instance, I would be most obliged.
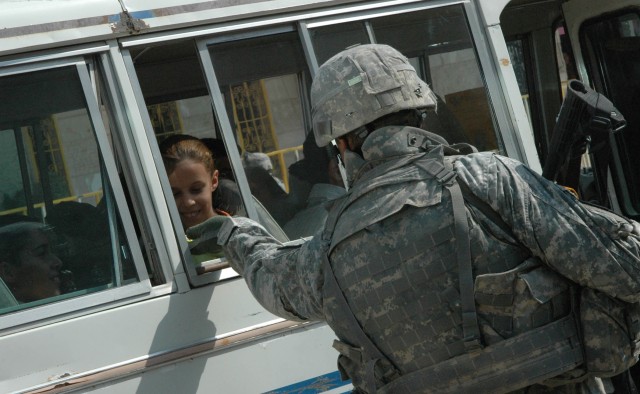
(609, 328)
(599, 337)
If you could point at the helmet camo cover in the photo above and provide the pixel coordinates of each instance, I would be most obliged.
(360, 85)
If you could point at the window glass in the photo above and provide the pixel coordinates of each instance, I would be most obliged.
(564, 56)
(290, 178)
(440, 39)
(438, 43)
(518, 54)
(331, 39)
(60, 230)
(186, 129)
(612, 58)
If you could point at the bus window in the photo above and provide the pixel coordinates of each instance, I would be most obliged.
(331, 39)
(610, 48)
(438, 42)
(61, 231)
(265, 97)
(179, 107)
(566, 62)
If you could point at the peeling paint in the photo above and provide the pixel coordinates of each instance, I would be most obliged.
(128, 24)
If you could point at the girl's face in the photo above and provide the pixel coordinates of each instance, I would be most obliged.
(192, 187)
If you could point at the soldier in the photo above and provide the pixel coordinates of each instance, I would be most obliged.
(425, 293)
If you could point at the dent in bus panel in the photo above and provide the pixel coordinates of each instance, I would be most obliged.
(60, 234)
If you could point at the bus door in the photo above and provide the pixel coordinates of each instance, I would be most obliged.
(605, 37)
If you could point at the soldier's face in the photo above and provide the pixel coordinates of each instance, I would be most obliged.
(342, 145)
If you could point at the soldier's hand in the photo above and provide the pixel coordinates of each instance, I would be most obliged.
(205, 235)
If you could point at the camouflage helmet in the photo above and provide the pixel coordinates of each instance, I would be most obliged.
(360, 85)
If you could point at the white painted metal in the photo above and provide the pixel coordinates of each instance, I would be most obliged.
(520, 124)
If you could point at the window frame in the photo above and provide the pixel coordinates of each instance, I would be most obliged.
(81, 303)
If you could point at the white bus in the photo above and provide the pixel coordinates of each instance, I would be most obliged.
(89, 89)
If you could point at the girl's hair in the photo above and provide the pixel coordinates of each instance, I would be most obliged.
(180, 147)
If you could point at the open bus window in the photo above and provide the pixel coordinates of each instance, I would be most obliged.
(61, 233)
(179, 107)
(265, 98)
(611, 48)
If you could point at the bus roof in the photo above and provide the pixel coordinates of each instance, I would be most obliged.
(27, 25)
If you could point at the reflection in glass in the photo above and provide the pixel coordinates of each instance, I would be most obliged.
(265, 103)
(612, 53)
(439, 42)
(331, 39)
(57, 203)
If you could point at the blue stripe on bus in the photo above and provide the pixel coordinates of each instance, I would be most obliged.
(319, 384)
(134, 14)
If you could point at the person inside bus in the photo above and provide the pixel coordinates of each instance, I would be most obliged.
(28, 265)
(87, 255)
(315, 183)
(226, 196)
(193, 179)
(267, 188)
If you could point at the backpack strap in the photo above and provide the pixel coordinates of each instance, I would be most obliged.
(368, 352)
(506, 366)
(447, 177)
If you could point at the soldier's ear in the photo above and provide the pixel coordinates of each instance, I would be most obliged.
(341, 144)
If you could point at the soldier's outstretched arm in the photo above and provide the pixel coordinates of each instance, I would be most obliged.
(590, 246)
(286, 280)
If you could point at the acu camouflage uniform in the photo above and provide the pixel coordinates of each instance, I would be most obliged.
(393, 255)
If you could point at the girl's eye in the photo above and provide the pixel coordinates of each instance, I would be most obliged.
(176, 194)
(196, 190)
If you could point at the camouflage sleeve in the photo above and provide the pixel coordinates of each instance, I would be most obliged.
(286, 280)
(583, 243)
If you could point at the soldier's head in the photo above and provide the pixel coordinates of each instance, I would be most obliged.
(364, 88)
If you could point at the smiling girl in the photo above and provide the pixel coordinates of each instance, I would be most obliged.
(193, 178)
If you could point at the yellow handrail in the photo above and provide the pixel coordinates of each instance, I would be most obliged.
(97, 195)
(279, 154)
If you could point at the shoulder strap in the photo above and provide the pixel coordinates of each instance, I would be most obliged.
(447, 177)
(484, 208)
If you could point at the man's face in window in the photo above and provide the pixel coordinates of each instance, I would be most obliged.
(37, 274)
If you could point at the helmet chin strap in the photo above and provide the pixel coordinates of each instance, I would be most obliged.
(341, 167)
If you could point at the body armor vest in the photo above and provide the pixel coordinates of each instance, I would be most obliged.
(394, 264)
